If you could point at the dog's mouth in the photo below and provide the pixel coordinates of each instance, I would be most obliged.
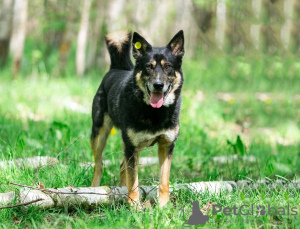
(157, 98)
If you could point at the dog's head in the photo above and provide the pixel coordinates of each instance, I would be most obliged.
(158, 69)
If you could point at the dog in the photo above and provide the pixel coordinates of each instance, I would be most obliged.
(143, 102)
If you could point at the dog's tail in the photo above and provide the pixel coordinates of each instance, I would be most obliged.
(119, 45)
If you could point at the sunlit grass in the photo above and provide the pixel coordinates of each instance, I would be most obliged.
(42, 116)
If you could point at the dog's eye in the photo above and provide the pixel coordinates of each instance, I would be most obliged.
(167, 66)
(149, 66)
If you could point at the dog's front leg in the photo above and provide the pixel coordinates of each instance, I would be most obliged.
(165, 154)
(131, 157)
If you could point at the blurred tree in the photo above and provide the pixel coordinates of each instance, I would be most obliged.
(18, 34)
(272, 19)
(54, 23)
(221, 23)
(255, 26)
(96, 41)
(295, 34)
(55, 26)
(203, 17)
(204, 13)
(238, 27)
(71, 15)
(82, 38)
(6, 12)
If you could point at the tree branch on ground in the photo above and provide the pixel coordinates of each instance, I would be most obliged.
(92, 197)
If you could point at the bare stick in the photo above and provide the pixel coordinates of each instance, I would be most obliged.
(23, 204)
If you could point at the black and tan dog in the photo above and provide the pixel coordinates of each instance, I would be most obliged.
(143, 101)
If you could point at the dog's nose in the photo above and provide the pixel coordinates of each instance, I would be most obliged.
(158, 85)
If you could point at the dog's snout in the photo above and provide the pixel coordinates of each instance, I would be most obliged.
(158, 85)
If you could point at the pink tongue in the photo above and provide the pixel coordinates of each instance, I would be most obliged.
(156, 99)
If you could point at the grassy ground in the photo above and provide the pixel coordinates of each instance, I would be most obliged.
(257, 100)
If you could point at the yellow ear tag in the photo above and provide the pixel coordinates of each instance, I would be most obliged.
(113, 131)
(138, 45)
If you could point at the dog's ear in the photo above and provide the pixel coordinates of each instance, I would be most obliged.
(139, 45)
(176, 45)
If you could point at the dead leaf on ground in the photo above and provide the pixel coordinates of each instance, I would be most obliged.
(207, 207)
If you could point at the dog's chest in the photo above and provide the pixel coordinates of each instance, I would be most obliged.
(143, 139)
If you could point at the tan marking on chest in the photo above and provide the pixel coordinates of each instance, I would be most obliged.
(144, 138)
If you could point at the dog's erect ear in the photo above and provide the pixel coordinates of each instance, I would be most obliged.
(176, 45)
(139, 45)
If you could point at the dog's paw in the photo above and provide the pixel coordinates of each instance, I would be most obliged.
(165, 204)
(148, 204)
(136, 206)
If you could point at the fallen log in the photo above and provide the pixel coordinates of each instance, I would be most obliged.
(30, 162)
(233, 158)
(91, 197)
(40, 161)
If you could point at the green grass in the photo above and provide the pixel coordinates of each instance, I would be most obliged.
(35, 120)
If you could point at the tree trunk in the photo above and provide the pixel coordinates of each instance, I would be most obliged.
(295, 35)
(6, 9)
(203, 15)
(287, 26)
(66, 42)
(96, 41)
(82, 38)
(18, 34)
(273, 18)
(221, 24)
(255, 28)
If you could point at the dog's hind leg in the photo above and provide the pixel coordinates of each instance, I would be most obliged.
(130, 164)
(123, 173)
(98, 141)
